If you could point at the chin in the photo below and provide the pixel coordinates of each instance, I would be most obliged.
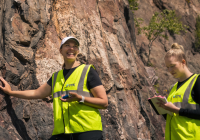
(70, 59)
(177, 77)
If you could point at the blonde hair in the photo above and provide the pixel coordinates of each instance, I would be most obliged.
(176, 51)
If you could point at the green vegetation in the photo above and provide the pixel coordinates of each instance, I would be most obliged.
(159, 24)
(197, 34)
(156, 86)
(188, 1)
(133, 4)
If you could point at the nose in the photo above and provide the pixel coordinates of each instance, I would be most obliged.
(71, 47)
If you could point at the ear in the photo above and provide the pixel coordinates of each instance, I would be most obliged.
(183, 61)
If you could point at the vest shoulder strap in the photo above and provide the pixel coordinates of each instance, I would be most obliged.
(54, 76)
(80, 84)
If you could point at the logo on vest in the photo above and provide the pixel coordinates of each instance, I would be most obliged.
(70, 85)
(177, 96)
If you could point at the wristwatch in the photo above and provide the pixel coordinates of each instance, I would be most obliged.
(82, 100)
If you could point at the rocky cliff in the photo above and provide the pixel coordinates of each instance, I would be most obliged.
(187, 11)
(30, 34)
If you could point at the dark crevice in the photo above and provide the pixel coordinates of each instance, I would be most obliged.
(3, 32)
(119, 89)
(81, 58)
(126, 14)
(172, 34)
(26, 119)
(144, 114)
(17, 123)
(125, 50)
(159, 4)
(129, 17)
(17, 6)
(13, 78)
(142, 110)
(48, 99)
(23, 43)
(35, 83)
(19, 56)
(109, 90)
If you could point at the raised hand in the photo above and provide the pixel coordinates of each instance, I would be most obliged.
(6, 88)
(73, 97)
(168, 106)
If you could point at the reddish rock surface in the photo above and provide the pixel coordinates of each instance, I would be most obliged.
(30, 34)
(188, 13)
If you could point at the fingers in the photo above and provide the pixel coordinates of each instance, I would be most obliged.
(3, 80)
(64, 100)
(72, 97)
(160, 100)
(67, 100)
(72, 93)
(6, 88)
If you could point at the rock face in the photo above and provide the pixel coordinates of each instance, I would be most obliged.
(30, 35)
(188, 12)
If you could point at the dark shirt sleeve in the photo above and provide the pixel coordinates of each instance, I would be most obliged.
(196, 91)
(93, 79)
(164, 116)
(49, 82)
(193, 114)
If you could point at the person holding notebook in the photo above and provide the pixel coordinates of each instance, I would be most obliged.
(183, 99)
(76, 116)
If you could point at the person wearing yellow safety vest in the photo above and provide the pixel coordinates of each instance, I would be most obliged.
(183, 99)
(77, 94)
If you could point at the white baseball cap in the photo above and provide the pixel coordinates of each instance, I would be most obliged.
(68, 38)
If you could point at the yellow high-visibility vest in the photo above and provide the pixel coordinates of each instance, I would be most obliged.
(180, 127)
(73, 117)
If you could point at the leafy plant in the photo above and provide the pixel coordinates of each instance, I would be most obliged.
(133, 4)
(156, 86)
(197, 34)
(159, 24)
(188, 1)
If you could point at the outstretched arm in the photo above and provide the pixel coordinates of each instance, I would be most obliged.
(40, 93)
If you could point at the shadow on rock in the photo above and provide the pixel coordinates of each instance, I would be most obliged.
(18, 124)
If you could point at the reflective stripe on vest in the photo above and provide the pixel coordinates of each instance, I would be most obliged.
(72, 117)
(184, 103)
(180, 127)
(80, 85)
